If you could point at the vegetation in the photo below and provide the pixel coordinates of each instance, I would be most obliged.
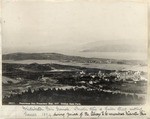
(82, 96)
(87, 86)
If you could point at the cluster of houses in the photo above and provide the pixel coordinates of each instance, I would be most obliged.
(84, 77)
(126, 76)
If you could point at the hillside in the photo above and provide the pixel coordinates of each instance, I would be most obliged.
(66, 58)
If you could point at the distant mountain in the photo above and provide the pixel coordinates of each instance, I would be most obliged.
(65, 58)
(114, 46)
(40, 56)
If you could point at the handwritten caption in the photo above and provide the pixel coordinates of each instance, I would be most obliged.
(80, 111)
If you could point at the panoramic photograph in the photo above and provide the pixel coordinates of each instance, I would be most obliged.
(74, 53)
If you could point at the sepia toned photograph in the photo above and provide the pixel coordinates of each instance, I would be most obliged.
(74, 53)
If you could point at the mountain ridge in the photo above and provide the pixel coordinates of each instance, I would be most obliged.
(66, 58)
(114, 46)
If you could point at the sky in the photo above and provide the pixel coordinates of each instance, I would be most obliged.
(44, 26)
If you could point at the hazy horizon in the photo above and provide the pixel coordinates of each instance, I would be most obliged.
(73, 27)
